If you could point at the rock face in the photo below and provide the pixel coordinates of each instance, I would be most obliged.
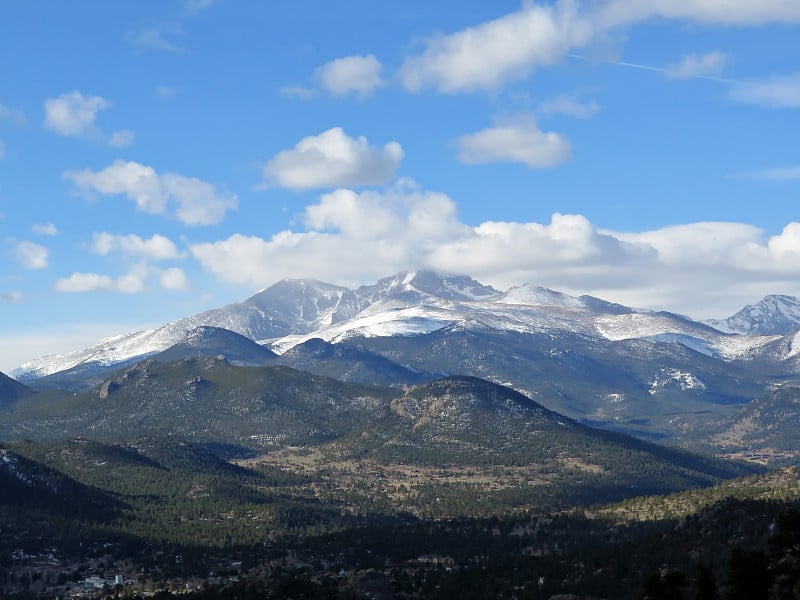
(108, 388)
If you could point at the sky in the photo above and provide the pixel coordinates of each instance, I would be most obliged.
(163, 157)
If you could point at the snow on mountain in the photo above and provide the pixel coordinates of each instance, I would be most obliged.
(536, 295)
(772, 315)
(411, 303)
(673, 378)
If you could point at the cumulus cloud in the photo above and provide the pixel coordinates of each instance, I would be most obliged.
(520, 141)
(31, 256)
(195, 202)
(175, 279)
(350, 237)
(692, 66)
(77, 283)
(773, 92)
(73, 114)
(359, 75)
(489, 55)
(332, 159)
(121, 139)
(133, 282)
(157, 247)
(84, 282)
(45, 229)
(397, 228)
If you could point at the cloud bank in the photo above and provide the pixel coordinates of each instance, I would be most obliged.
(703, 269)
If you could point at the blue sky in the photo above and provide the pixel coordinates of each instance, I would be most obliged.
(158, 158)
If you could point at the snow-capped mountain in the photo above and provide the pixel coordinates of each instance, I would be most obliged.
(292, 312)
(773, 315)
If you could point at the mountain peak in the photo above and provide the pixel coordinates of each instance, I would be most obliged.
(215, 341)
(460, 288)
(775, 314)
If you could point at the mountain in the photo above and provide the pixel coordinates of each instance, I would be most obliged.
(764, 430)
(451, 422)
(772, 315)
(351, 363)
(294, 311)
(28, 484)
(289, 306)
(203, 399)
(11, 391)
(645, 387)
(216, 341)
(654, 374)
(462, 423)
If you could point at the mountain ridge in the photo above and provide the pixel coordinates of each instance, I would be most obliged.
(293, 311)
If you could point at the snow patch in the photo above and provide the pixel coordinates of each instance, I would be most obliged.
(674, 378)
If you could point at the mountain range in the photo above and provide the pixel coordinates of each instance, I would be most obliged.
(293, 311)
(657, 375)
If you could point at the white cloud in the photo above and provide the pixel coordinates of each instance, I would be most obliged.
(73, 114)
(360, 75)
(84, 282)
(773, 92)
(31, 256)
(332, 159)
(490, 54)
(197, 202)
(160, 37)
(121, 139)
(351, 235)
(175, 279)
(519, 141)
(129, 283)
(45, 229)
(570, 105)
(702, 269)
(157, 247)
(714, 12)
(13, 297)
(692, 66)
